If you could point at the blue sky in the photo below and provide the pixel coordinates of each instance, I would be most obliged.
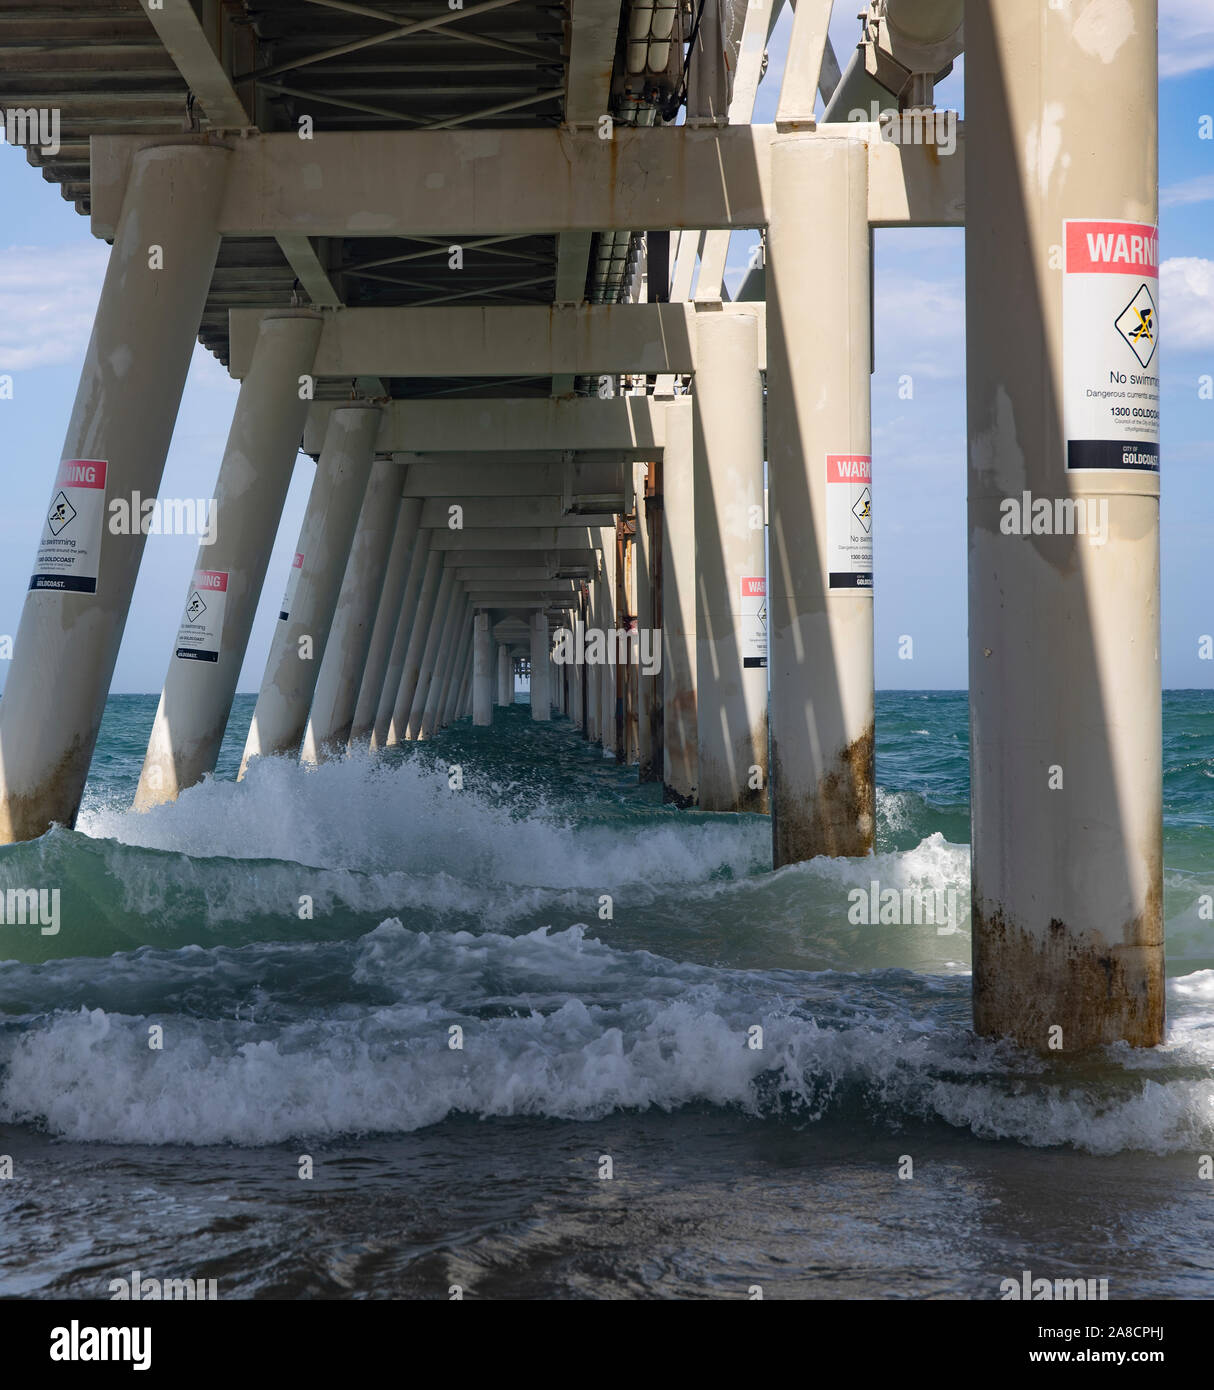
(50, 277)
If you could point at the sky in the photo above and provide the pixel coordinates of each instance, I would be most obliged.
(50, 278)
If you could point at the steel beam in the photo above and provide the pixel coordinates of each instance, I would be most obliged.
(555, 560)
(194, 51)
(507, 512)
(533, 480)
(636, 425)
(515, 538)
(517, 340)
(525, 182)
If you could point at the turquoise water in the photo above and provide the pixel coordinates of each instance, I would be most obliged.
(307, 940)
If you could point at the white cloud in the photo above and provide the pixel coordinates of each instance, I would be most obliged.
(207, 373)
(48, 297)
(1186, 287)
(920, 323)
(1197, 190)
(1186, 38)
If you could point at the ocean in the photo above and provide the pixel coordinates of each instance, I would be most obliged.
(484, 1017)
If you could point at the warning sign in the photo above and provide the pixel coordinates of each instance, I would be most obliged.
(292, 584)
(1110, 342)
(69, 553)
(201, 631)
(753, 631)
(849, 522)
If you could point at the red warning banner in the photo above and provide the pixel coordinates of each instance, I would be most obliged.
(849, 468)
(81, 473)
(1112, 248)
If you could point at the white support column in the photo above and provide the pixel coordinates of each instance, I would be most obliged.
(399, 706)
(567, 671)
(130, 387)
(228, 576)
(345, 659)
(451, 709)
(452, 676)
(731, 628)
(572, 670)
(505, 676)
(461, 673)
(463, 702)
(556, 684)
(482, 676)
(820, 604)
(434, 640)
(680, 773)
(1064, 673)
(647, 685)
(324, 543)
(446, 659)
(609, 729)
(758, 22)
(586, 673)
(576, 673)
(540, 707)
(389, 614)
(421, 587)
(590, 673)
(806, 45)
(573, 709)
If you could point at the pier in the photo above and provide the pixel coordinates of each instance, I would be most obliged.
(471, 262)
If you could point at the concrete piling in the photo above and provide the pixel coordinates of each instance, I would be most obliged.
(1064, 675)
(302, 632)
(229, 573)
(117, 439)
